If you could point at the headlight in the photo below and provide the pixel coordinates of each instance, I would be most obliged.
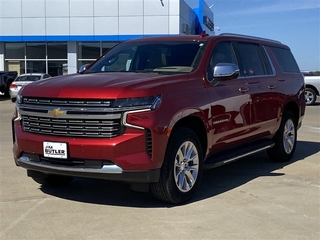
(138, 103)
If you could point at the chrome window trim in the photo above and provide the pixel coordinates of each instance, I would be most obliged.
(270, 62)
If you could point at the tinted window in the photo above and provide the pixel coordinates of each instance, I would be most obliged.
(222, 53)
(14, 50)
(285, 59)
(88, 50)
(57, 50)
(173, 57)
(28, 78)
(36, 50)
(253, 60)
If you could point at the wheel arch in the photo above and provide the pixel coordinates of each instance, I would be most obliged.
(292, 107)
(197, 125)
(313, 88)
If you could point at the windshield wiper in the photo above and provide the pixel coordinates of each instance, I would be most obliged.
(145, 71)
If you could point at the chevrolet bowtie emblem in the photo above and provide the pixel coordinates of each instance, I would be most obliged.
(56, 112)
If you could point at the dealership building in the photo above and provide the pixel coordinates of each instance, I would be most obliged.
(58, 36)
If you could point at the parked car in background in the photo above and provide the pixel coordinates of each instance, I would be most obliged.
(6, 78)
(312, 83)
(22, 80)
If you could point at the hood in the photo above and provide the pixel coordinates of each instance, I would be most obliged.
(99, 85)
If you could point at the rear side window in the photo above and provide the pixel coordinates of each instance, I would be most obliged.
(285, 59)
(254, 61)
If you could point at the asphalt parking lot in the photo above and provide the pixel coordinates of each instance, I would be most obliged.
(249, 199)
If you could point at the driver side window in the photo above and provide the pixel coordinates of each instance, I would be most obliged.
(222, 53)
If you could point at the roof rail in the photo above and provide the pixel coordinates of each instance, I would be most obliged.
(203, 34)
(248, 36)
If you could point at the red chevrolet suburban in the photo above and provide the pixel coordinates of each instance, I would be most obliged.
(155, 112)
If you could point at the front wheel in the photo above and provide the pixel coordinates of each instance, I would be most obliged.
(285, 139)
(182, 168)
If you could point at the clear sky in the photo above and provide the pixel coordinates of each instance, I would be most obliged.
(292, 22)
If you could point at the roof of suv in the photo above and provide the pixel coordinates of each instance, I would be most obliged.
(203, 37)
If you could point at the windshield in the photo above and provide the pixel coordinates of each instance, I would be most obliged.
(27, 78)
(161, 57)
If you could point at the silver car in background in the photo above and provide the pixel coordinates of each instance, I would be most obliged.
(22, 80)
(312, 83)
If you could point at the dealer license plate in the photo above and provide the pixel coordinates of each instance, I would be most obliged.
(55, 149)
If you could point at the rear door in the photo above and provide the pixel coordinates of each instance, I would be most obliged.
(262, 87)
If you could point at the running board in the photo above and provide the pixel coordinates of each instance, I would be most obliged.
(217, 160)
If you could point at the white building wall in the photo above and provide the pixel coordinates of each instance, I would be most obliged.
(106, 26)
(10, 26)
(57, 8)
(106, 8)
(90, 17)
(33, 26)
(1, 56)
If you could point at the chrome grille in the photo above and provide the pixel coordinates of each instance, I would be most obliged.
(70, 127)
(72, 118)
(68, 102)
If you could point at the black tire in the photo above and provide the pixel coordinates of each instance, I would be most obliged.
(53, 180)
(13, 100)
(310, 96)
(285, 139)
(181, 170)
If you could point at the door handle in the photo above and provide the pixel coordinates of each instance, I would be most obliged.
(272, 86)
(243, 89)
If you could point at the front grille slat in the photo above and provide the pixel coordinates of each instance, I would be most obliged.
(68, 102)
(95, 119)
(70, 128)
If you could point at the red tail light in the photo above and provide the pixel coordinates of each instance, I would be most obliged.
(12, 85)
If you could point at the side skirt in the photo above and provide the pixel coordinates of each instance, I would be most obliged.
(216, 160)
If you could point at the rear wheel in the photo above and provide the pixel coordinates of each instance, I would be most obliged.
(310, 96)
(52, 180)
(285, 139)
(182, 168)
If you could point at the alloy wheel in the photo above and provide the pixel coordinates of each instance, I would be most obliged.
(186, 166)
(289, 136)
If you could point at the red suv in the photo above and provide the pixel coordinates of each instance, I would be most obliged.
(155, 112)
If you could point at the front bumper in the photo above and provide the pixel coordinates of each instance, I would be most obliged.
(106, 171)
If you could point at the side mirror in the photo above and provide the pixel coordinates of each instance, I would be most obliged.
(224, 71)
(83, 68)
